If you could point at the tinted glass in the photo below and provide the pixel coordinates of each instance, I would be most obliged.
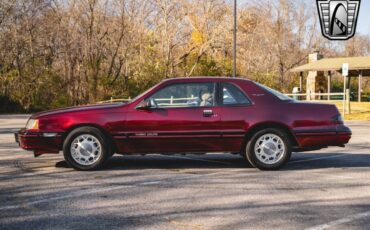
(232, 95)
(275, 93)
(185, 95)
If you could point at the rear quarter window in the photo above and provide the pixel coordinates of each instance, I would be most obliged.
(233, 95)
(275, 93)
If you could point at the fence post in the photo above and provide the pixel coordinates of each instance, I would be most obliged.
(348, 101)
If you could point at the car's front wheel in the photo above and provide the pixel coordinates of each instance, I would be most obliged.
(86, 148)
(269, 149)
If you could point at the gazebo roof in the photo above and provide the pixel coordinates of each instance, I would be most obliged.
(335, 64)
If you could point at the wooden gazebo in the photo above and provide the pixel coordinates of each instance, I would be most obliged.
(358, 67)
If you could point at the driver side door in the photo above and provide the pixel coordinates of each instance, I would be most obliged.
(182, 118)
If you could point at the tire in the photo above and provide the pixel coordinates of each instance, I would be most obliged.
(269, 149)
(86, 148)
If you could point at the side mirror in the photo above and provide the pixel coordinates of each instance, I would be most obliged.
(146, 105)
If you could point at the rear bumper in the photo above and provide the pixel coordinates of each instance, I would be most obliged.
(321, 138)
(37, 142)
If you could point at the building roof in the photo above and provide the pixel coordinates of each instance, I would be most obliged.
(335, 64)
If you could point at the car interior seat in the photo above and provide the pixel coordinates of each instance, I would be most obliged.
(207, 99)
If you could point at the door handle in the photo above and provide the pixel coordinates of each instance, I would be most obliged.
(208, 113)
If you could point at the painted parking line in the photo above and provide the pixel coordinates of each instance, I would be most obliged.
(341, 221)
(9, 149)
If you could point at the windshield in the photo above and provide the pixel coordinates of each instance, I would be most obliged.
(275, 93)
(142, 94)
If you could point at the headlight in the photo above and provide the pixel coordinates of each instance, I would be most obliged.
(32, 124)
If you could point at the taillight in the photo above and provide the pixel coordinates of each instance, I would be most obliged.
(337, 119)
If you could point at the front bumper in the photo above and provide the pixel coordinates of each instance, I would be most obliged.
(320, 138)
(37, 142)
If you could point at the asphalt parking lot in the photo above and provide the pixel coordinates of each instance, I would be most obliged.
(327, 189)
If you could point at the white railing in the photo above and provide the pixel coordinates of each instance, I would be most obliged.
(171, 101)
(115, 100)
(318, 97)
(176, 102)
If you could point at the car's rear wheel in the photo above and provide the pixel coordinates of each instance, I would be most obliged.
(269, 149)
(86, 148)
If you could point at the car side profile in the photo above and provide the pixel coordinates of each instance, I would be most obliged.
(188, 115)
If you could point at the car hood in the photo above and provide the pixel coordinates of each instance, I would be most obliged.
(77, 109)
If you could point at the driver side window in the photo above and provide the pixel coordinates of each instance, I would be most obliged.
(185, 95)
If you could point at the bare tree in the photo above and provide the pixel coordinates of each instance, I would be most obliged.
(56, 53)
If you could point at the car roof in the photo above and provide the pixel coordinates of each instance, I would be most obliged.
(200, 79)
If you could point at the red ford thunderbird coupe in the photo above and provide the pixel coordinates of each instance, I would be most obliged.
(188, 115)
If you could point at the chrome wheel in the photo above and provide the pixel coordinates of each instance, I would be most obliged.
(86, 149)
(269, 149)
